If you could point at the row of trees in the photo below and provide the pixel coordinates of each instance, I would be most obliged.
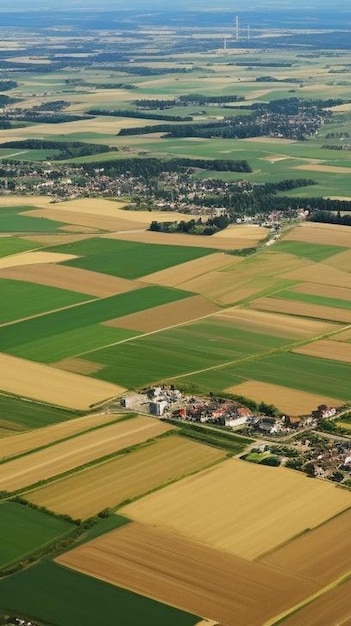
(139, 115)
(65, 149)
(152, 167)
(192, 227)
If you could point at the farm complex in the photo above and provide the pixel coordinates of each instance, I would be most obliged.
(175, 315)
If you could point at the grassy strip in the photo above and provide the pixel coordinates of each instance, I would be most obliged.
(225, 440)
(33, 414)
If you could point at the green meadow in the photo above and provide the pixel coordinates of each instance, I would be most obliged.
(58, 596)
(24, 530)
(26, 413)
(313, 251)
(312, 299)
(178, 351)
(20, 299)
(81, 316)
(12, 220)
(14, 245)
(127, 259)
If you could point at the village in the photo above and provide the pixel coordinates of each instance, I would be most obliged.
(294, 442)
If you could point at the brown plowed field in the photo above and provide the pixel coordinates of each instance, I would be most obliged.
(72, 278)
(240, 507)
(328, 291)
(289, 401)
(128, 476)
(16, 444)
(173, 276)
(32, 258)
(166, 315)
(25, 378)
(322, 275)
(313, 232)
(274, 324)
(78, 451)
(331, 609)
(193, 577)
(322, 555)
(326, 349)
(78, 366)
(303, 309)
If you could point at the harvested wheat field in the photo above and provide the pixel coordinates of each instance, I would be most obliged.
(25, 378)
(274, 323)
(219, 286)
(327, 291)
(341, 261)
(314, 232)
(303, 309)
(251, 233)
(195, 578)
(173, 276)
(328, 169)
(56, 239)
(33, 258)
(78, 366)
(71, 278)
(322, 275)
(17, 444)
(100, 222)
(345, 335)
(128, 476)
(287, 400)
(321, 555)
(288, 503)
(67, 455)
(326, 349)
(167, 315)
(179, 239)
(331, 609)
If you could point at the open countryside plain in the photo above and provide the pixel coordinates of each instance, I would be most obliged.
(70, 454)
(182, 573)
(113, 482)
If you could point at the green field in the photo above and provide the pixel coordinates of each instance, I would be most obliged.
(126, 258)
(14, 245)
(11, 221)
(79, 317)
(24, 530)
(57, 596)
(313, 251)
(296, 371)
(72, 343)
(178, 351)
(29, 414)
(20, 299)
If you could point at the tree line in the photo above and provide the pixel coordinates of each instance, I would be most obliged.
(152, 167)
(66, 149)
(193, 227)
(139, 115)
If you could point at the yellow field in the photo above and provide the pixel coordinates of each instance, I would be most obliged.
(322, 275)
(173, 276)
(303, 309)
(330, 169)
(180, 239)
(113, 482)
(289, 401)
(326, 349)
(314, 232)
(25, 378)
(71, 278)
(16, 444)
(247, 509)
(328, 291)
(198, 579)
(69, 454)
(330, 609)
(274, 323)
(33, 258)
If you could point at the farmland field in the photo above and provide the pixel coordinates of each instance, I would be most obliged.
(303, 309)
(320, 234)
(325, 349)
(332, 608)
(111, 483)
(33, 592)
(18, 220)
(80, 392)
(24, 530)
(174, 570)
(288, 502)
(20, 443)
(13, 245)
(23, 413)
(320, 555)
(20, 299)
(80, 450)
(312, 251)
